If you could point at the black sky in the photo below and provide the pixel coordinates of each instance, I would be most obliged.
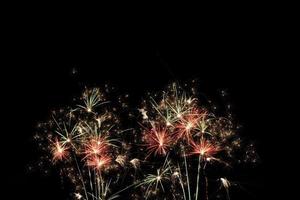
(235, 53)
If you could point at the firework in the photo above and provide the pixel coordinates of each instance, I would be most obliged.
(99, 162)
(153, 182)
(158, 141)
(178, 143)
(59, 151)
(225, 184)
(192, 138)
(84, 142)
(205, 149)
(187, 123)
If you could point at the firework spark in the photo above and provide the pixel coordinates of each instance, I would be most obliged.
(95, 147)
(179, 138)
(189, 129)
(99, 162)
(153, 182)
(204, 148)
(226, 184)
(91, 99)
(59, 151)
(88, 137)
(187, 123)
(158, 141)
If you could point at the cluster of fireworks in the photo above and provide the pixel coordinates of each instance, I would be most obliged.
(168, 156)
(86, 143)
(188, 138)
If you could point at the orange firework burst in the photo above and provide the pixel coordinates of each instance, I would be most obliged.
(204, 148)
(158, 141)
(187, 123)
(59, 151)
(95, 147)
(98, 162)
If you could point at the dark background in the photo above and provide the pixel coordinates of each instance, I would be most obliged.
(235, 52)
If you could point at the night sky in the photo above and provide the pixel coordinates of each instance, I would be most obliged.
(49, 63)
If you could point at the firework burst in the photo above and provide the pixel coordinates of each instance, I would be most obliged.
(84, 142)
(155, 182)
(179, 143)
(204, 148)
(158, 141)
(59, 151)
(192, 137)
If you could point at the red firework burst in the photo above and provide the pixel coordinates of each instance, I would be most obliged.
(158, 141)
(187, 124)
(204, 148)
(95, 147)
(99, 162)
(59, 151)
